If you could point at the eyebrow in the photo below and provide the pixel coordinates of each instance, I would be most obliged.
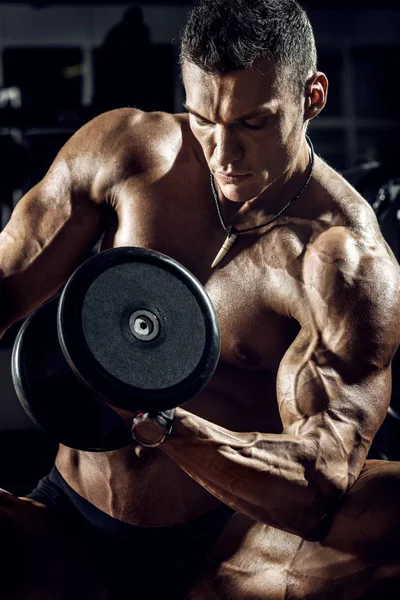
(257, 112)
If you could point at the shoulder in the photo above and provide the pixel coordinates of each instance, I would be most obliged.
(123, 132)
(351, 287)
(341, 201)
(348, 238)
(115, 146)
(359, 260)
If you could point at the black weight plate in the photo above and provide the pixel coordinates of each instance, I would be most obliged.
(51, 394)
(98, 342)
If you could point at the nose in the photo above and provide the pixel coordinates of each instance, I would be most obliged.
(227, 148)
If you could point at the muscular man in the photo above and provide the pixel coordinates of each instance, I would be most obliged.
(308, 305)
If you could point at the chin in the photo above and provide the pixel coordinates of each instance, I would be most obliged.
(240, 193)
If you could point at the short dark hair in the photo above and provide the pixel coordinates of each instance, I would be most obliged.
(221, 36)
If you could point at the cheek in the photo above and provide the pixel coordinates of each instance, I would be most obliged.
(263, 152)
(286, 139)
(272, 156)
(203, 139)
(291, 125)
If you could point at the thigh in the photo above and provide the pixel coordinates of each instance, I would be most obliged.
(42, 556)
(360, 556)
(358, 559)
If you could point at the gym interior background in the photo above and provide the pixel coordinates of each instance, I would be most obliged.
(62, 63)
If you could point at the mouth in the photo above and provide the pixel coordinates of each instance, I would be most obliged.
(232, 177)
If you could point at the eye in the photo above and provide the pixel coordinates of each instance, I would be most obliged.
(201, 122)
(255, 124)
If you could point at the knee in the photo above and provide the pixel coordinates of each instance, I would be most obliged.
(379, 484)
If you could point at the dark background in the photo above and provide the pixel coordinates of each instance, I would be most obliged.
(61, 63)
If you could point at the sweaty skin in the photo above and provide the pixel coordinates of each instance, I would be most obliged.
(308, 308)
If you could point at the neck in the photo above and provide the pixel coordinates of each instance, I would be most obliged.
(286, 185)
(233, 232)
(273, 198)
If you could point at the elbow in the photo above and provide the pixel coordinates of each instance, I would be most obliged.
(318, 517)
(316, 527)
(310, 525)
(326, 484)
(312, 515)
(309, 518)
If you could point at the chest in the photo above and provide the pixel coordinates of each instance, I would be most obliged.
(252, 289)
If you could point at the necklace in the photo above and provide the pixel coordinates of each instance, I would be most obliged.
(232, 232)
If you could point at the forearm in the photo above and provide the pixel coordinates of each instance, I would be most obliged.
(271, 478)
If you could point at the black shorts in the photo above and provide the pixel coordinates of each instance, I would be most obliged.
(136, 562)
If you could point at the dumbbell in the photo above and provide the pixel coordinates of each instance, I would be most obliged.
(132, 328)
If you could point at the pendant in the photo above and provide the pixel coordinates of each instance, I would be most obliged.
(226, 246)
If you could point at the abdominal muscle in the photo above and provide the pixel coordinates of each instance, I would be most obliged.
(152, 491)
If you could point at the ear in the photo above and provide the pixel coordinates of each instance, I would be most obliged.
(315, 92)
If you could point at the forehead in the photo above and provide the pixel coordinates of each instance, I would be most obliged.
(233, 94)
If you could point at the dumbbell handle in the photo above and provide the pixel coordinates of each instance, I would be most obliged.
(150, 430)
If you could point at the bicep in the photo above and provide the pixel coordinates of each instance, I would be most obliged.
(341, 413)
(51, 230)
(334, 382)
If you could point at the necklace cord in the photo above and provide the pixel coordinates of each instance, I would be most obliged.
(232, 229)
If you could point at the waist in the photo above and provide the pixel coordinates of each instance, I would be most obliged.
(143, 559)
(148, 492)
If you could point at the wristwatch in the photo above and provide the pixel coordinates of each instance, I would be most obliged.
(150, 430)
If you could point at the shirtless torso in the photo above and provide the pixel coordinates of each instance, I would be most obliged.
(257, 296)
(143, 180)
